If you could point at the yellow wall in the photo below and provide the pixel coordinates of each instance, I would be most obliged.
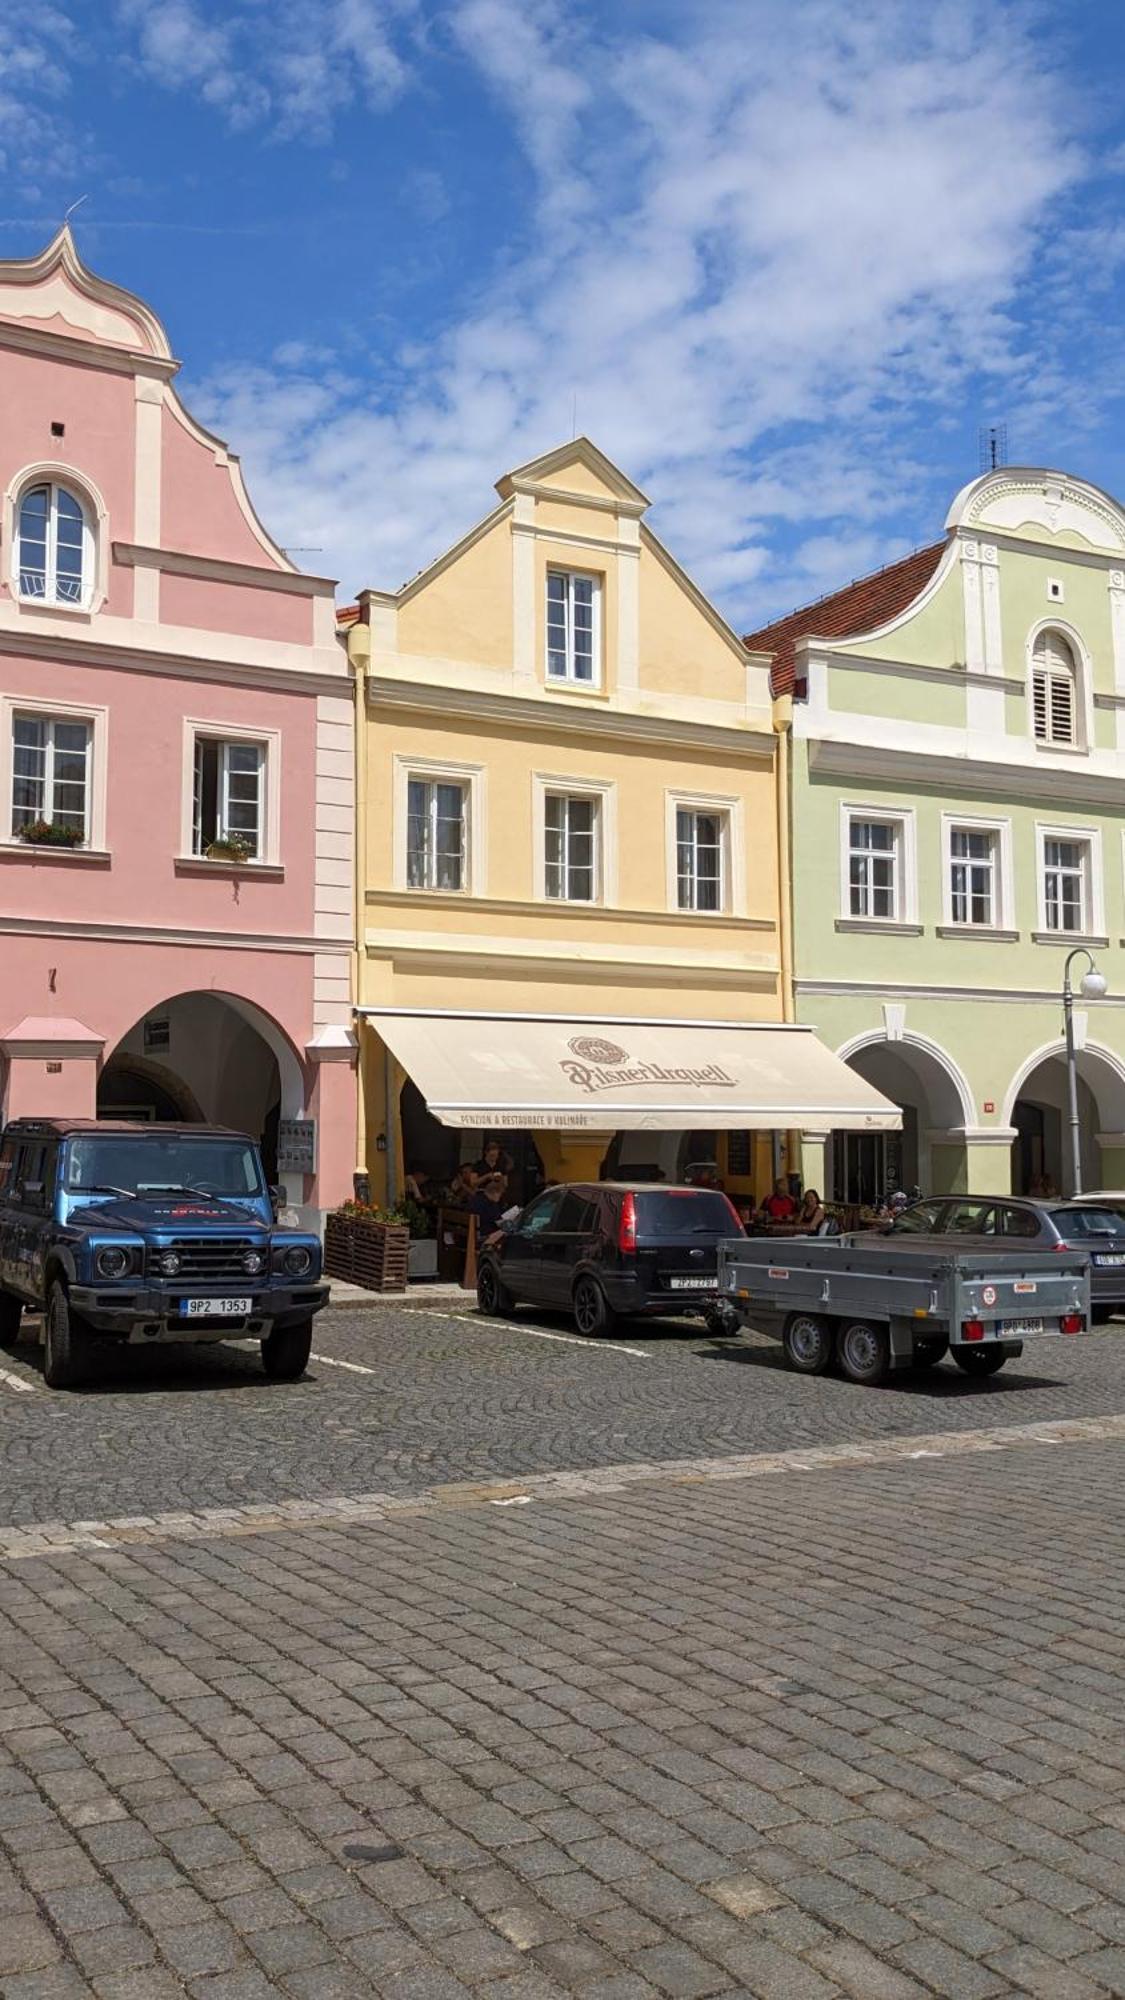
(465, 612)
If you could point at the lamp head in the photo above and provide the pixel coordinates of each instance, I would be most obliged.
(1094, 984)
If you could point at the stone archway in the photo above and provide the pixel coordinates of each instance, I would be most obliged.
(1037, 1107)
(221, 1060)
(920, 1077)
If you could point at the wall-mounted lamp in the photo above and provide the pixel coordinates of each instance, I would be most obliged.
(381, 1143)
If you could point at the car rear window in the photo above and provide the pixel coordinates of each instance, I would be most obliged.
(686, 1212)
(1075, 1222)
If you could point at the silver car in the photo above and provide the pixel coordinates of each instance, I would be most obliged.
(1094, 1224)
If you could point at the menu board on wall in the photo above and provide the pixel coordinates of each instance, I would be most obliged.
(738, 1153)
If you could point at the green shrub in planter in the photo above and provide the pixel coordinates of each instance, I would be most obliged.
(50, 833)
(229, 848)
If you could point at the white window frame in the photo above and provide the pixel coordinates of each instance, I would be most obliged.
(434, 771)
(97, 721)
(1094, 913)
(269, 742)
(568, 798)
(95, 538)
(907, 880)
(572, 785)
(728, 807)
(1083, 691)
(1004, 901)
(570, 679)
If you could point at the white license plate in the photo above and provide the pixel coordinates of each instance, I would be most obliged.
(693, 1284)
(1020, 1329)
(215, 1308)
(1109, 1257)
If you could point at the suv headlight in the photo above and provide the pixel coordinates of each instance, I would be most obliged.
(298, 1260)
(168, 1263)
(253, 1261)
(113, 1260)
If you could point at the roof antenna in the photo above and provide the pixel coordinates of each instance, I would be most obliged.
(993, 446)
(73, 206)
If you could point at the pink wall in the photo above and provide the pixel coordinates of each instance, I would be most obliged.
(233, 607)
(198, 509)
(98, 411)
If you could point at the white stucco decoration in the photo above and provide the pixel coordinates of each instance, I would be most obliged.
(1027, 500)
(57, 285)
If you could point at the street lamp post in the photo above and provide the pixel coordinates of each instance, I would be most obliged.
(1093, 988)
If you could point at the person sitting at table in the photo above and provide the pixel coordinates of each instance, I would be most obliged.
(462, 1187)
(489, 1203)
(810, 1215)
(493, 1160)
(780, 1205)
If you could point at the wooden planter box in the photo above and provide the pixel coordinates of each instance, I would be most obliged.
(372, 1254)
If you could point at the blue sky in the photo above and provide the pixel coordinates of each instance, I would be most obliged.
(779, 258)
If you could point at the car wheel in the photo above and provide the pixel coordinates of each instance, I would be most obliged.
(64, 1348)
(864, 1352)
(11, 1310)
(978, 1360)
(807, 1341)
(493, 1296)
(285, 1351)
(592, 1311)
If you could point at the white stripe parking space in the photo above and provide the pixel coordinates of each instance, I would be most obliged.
(10, 1380)
(594, 1346)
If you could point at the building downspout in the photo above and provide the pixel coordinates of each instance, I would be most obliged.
(782, 724)
(359, 653)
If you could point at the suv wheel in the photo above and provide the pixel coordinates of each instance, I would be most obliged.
(10, 1310)
(865, 1352)
(593, 1313)
(493, 1296)
(808, 1343)
(978, 1360)
(64, 1348)
(285, 1351)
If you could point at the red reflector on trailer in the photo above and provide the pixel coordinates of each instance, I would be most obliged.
(1072, 1322)
(972, 1329)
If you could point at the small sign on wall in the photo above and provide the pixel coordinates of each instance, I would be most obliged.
(296, 1146)
(989, 1105)
(158, 1034)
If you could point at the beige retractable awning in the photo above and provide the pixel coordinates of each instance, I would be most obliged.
(556, 1073)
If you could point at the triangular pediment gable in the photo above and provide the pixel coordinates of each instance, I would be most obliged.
(55, 293)
(575, 467)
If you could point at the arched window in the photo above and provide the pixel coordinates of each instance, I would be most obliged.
(1054, 690)
(54, 557)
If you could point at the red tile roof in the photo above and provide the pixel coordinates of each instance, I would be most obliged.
(861, 606)
(346, 614)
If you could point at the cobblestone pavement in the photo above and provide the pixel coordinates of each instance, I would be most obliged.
(575, 1709)
(450, 1396)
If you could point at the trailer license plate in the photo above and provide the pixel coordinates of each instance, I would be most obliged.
(693, 1284)
(215, 1308)
(1020, 1329)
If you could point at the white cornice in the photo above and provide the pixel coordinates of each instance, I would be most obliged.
(879, 989)
(602, 503)
(295, 583)
(954, 674)
(159, 934)
(573, 538)
(528, 712)
(891, 765)
(83, 651)
(87, 353)
(537, 471)
(416, 899)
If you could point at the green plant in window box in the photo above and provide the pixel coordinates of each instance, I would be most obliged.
(50, 833)
(229, 847)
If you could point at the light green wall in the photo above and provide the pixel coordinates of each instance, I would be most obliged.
(856, 693)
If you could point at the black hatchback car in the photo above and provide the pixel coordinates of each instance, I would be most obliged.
(601, 1249)
(1017, 1222)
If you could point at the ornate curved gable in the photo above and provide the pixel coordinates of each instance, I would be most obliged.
(1038, 504)
(55, 293)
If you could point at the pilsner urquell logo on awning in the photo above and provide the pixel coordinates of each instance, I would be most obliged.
(600, 1065)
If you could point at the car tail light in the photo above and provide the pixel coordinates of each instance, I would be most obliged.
(972, 1329)
(1072, 1322)
(1062, 1246)
(627, 1226)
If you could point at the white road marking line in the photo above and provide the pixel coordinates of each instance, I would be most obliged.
(11, 1381)
(536, 1332)
(353, 1367)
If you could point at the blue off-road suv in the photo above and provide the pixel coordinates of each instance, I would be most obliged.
(147, 1234)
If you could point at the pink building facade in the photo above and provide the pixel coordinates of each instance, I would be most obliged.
(177, 802)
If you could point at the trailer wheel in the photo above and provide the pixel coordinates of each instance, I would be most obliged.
(927, 1353)
(978, 1360)
(807, 1340)
(864, 1351)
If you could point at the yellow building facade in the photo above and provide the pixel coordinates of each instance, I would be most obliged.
(571, 858)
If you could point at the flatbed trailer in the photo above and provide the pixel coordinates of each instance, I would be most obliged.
(877, 1306)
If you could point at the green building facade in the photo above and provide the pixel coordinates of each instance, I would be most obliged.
(958, 828)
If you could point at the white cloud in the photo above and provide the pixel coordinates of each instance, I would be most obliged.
(291, 64)
(764, 243)
(37, 146)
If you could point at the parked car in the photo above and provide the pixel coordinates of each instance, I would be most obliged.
(1098, 1227)
(605, 1249)
(148, 1234)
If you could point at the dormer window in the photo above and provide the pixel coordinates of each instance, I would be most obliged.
(1054, 690)
(54, 554)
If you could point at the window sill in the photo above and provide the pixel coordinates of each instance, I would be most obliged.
(555, 684)
(1060, 749)
(1070, 939)
(30, 850)
(198, 864)
(983, 931)
(42, 608)
(875, 926)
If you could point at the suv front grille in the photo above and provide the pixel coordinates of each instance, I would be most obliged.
(206, 1258)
